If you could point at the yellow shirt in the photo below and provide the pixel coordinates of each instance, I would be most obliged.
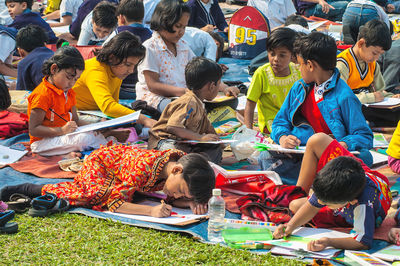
(269, 92)
(98, 89)
(394, 145)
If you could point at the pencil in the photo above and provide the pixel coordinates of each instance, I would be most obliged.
(52, 110)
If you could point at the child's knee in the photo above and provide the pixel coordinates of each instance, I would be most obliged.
(319, 140)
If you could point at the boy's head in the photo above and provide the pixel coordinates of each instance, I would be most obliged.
(29, 38)
(5, 98)
(129, 11)
(104, 19)
(373, 40)
(341, 181)
(192, 177)
(203, 74)
(296, 19)
(316, 53)
(280, 50)
(17, 7)
(219, 41)
(168, 13)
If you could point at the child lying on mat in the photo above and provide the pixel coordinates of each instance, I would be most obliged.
(346, 193)
(111, 175)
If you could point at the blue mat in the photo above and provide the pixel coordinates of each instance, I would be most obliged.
(238, 69)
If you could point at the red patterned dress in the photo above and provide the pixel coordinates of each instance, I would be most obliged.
(111, 175)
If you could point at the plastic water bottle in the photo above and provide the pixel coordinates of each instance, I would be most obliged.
(216, 213)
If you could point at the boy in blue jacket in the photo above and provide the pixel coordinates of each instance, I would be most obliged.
(20, 12)
(319, 102)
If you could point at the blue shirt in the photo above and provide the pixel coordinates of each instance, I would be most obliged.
(29, 17)
(365, 215)
(30, 68)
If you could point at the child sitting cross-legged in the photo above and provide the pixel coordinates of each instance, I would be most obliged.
(52, 108)
(186, 118)
(319, 102)
(111, 175)
(346, 193)
(272, 81)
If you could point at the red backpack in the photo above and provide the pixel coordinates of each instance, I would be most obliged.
(12, 124)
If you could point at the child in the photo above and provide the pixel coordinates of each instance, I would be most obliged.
(394, 151)
(111, 175)
(328, 9)
(98, 24)
(277, 11)
(99, 85)
(20, 12)
(52, 111)
(394, 233)
(319, 102)
(358, 67)
(31, 42)
(161, 73)
(359, 12)
(130, 15)
(346, 193)
(68, 12)
(207, 15)
(7, 40)
(272, 81)
(186, 118)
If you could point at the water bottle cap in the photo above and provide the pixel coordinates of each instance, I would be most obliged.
(216, 192)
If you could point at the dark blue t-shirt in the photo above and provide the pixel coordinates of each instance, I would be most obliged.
(30, 68)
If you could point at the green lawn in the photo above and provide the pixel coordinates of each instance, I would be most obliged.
(76, 239)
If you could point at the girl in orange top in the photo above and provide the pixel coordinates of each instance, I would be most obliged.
(51, 108)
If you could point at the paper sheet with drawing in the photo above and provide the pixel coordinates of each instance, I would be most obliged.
(109, 123)
(302, 236)
(187, 215)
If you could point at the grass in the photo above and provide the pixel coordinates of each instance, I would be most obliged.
(76, 239)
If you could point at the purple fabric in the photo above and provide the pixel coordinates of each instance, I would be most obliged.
(199, 17)
(394, 164)
(302, 5)
(27, 18)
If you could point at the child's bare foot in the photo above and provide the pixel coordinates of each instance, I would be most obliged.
(72, 155)
(120, 134)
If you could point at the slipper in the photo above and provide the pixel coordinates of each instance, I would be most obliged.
(47, 204)
(6, 226)
(19, 203)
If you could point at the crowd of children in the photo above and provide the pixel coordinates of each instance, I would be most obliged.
(307, 94)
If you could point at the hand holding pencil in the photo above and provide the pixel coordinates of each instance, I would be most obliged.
(162, 210)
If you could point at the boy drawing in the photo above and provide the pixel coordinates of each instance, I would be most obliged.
(272, 81)
(186, 118)
(319, 102)
(346, 193)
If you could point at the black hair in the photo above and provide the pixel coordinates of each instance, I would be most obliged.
(199, 176)
(65, 57)
(31, 37)
(318, 47)
(133, 10)
(375, 33)
(199, 71)
(5, 98)
(382, 3)
(167, 13)
(220, 49)
(104, 15)
(281, 37)
(296, 19)
(341, 180)
(29, 3)
(121, 46)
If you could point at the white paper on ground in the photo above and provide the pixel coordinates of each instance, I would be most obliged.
(8, 155)
(386, 102)
(187, 213)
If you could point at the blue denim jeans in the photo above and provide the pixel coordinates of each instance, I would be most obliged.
(333, 14)
(396, 4)
(353, 18)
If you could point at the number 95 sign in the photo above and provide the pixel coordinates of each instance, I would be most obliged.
(248, 31)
